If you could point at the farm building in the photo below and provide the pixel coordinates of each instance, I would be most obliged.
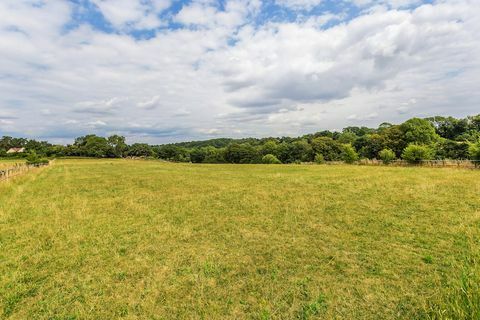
(16, 150)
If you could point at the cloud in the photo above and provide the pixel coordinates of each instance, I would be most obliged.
(149, 104)
(133, 14)
(104, 107)
(299, 4)
(232, 66)
(391, 3)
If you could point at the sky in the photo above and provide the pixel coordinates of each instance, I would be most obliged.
(160, 71)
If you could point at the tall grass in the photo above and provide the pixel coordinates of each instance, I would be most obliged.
(460, 300)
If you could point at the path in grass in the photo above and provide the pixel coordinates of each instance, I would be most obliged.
(91, 239)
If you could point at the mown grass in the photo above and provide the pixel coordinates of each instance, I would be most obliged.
(100, 239)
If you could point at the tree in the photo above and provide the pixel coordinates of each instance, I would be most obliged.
(34, 160)
(319, 159)
(347, 137)
(301, 150)
(414, 153)
(387, 156)
(349, 155)
(474, 152)
(197, 155)
(419, 131)
(449, 127)
(358, 131)
(173, 152)
(330, 149)
(270, 159)
(91, 146)
(117, 146)
(269, 147)
(214, 155)
(240, 153)
(370, 145)
(394, 139)
(448, 149)
(474, 123)
(140, 150)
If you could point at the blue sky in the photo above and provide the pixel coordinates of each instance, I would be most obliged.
(162, 70)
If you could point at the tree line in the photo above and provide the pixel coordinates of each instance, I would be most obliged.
(414, 140)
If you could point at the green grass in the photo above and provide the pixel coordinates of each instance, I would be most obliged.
(99, 239)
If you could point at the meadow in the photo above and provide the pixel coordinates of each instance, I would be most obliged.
(108, 239)
(8, 163)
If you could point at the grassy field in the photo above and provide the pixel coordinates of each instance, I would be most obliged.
(8, 163)
(99, 239)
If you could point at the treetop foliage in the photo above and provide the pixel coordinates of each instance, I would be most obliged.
(414, 140)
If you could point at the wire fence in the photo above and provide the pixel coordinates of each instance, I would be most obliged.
(469, 164)
(17, 169)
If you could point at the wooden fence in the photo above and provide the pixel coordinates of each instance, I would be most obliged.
(17, 169)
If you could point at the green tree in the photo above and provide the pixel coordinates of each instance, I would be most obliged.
(414, 153)
(347, 137)
(197, 155)
(117, 146)
(449, 127)
(172, 152)
(34, 160)
(241, 153)
(394, 139)
(419, 131)
(474, 152)
(370, 145)
(319, 159)
(269, 147)
(349, 155)
(92, 146)
(330, 149)
(387, 156)
(214, 155)
(270, 159)
(140, 150)
(448, 149)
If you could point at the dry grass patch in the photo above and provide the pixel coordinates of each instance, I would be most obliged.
(90, 239)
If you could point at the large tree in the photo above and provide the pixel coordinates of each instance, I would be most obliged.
(419, 131)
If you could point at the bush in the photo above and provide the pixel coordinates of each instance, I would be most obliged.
(414, 153)
(474, 152)
(349, 155)
(270, 159)
(387, 156)
(34, 160)
(319, 158)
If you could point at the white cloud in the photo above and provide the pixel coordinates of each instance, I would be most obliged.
(149, 104)
(299, 4)
(391, 3)
(132, 13)
(96, 123)
(231, 74)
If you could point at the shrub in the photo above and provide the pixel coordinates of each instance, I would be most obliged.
(387, 156)
(414, 153)
(319, 158)
(349, 155)
(34, 160)
(474, 152)
(270, 159)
